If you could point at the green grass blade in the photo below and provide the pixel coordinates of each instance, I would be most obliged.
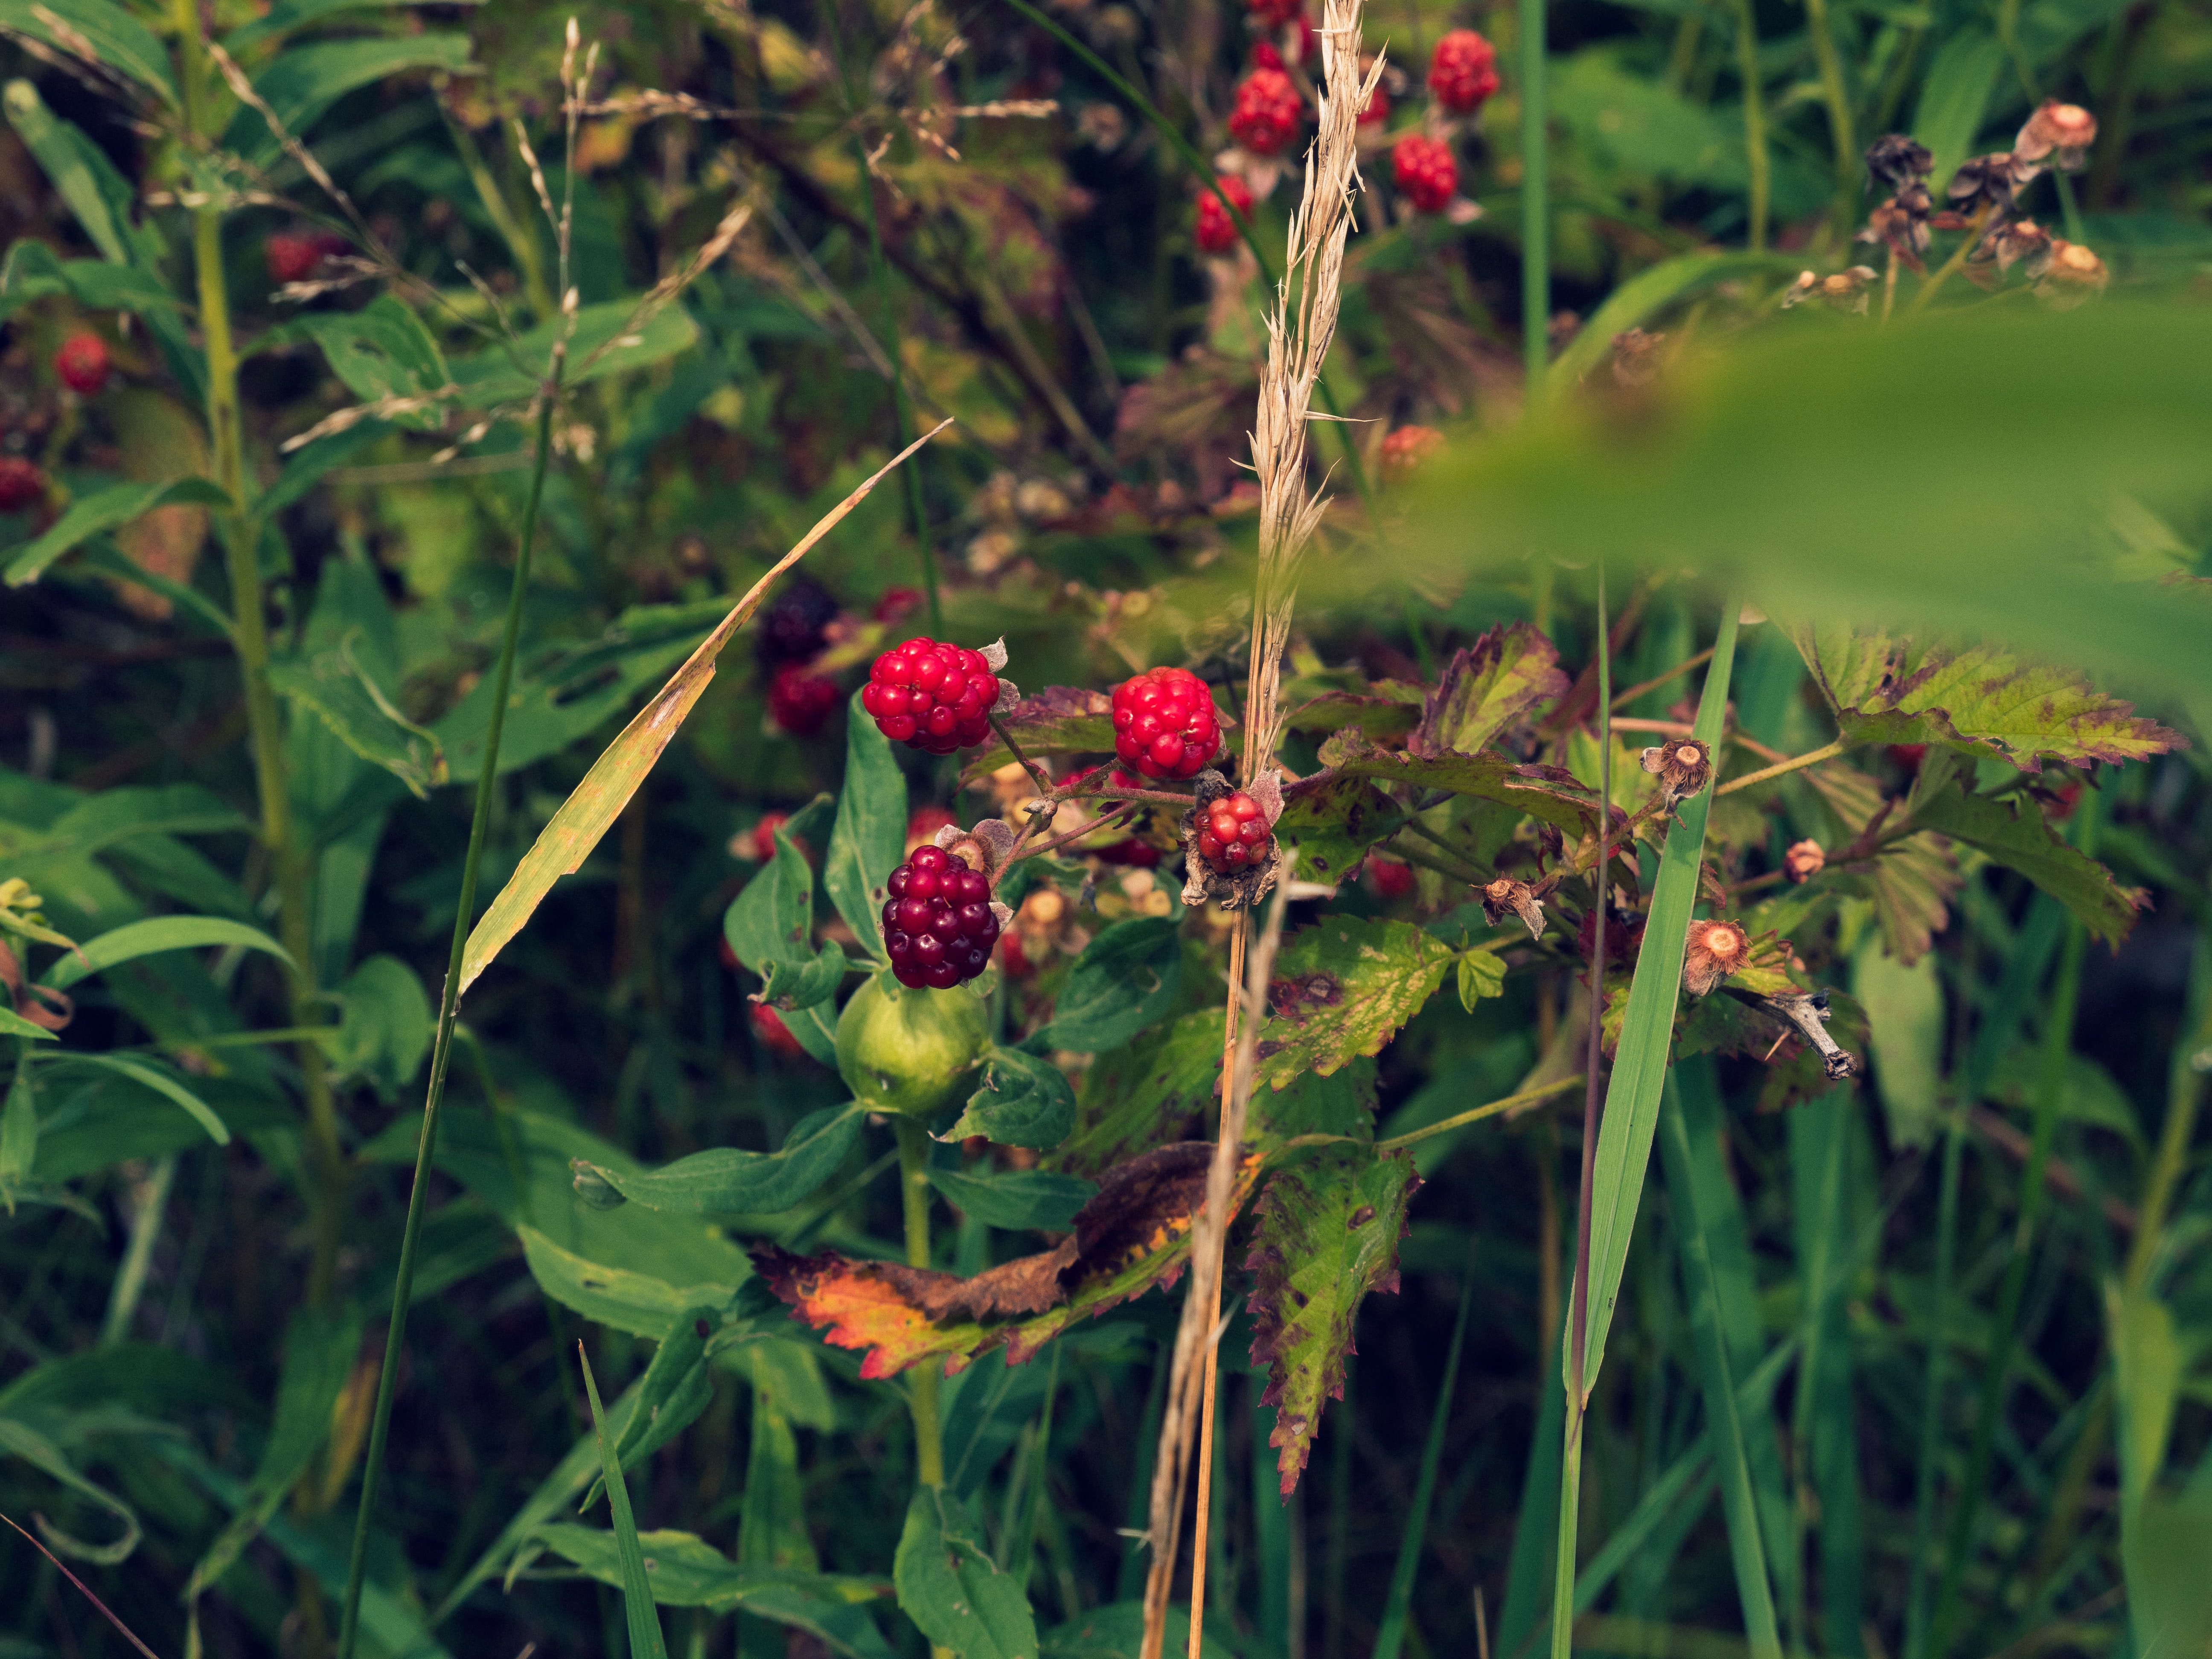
(1725, 1422)
(644, 1619)
(1271, 1531)
(1528, 1570)
(1821, 1135)
(1392, 1635)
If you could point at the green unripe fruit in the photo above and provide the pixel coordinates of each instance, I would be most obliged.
(911, 1052)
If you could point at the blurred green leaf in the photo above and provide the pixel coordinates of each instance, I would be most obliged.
(2017, 835)
(381, 352)
(95, 514)
(20, 1439)
(117, 38)
(1126, 978)
(384, 1034)
(1016, 1199)
(1023, 1100)
(305, 81)
(493, 376)
(150, 1075)
(1955, 97)
(335, 687)
(615, 1297)
(950, 1587)
(140, 939)
(869, 838)
(642, 1617)
(724, 1181)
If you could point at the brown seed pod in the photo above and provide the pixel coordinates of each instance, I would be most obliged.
(1505, 894)
(1716, 949)
(1804, 860)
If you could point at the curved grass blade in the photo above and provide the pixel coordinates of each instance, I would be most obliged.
(644, 1619)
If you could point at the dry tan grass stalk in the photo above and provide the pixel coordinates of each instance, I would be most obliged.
(1300, 328)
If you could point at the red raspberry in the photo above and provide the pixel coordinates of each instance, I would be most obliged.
(923, 823)
(1273, 13)
(1164, 724)
(1425, 171)
(82, 363)
(1393, 880)
(1216, 231)
(1268, 112)
(800, 701)
(897, 603)
(1404, 450)
(762, 839)
(1130, 852)
(773, 1034)
(1265, 55)
(1378, 106)
(21, 483)
(1463, 71)
(937, 924)
(932, 697)
(1233, 834)
(292, 259)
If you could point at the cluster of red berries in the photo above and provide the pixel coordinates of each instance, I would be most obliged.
(1233, 835)
(1216, 231)
(1463, 71)
(21, 483)
(1164, 724)
(83, 364)
(1426, 170)
(1268, 112)
(930, 696)
(1275, 14)
(937, 924)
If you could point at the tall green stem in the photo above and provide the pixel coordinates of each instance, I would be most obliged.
(441, 1052)
(1535, 206)
(921, 1391)
(1842, 130)
(1754, 121)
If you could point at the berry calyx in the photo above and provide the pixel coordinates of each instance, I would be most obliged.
(1426, 170)
(1463, 71)
(1216, 231)
(81, 362)
(1164, 724)
(1233, 835)
(800, 701)
(932, 697)
(21, 483)
(938, 926)
(1268, 112)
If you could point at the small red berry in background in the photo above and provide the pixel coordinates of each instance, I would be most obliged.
(1216, 231)
(1268, 112)
(1404, 449)
(923, 823)
(292, 259)
(1378, 106)
(800, 701)
(82, 363)
(1393, 880)
(932, 697)
(773, 1034)
(1164, 724)
(1463, 71)
(897, 604)
(1130, 854)
(1233, 835)
(1425, 171)
(1265, 55)
(21, 483)
(1273, 13)
(938, 924)
(762, 839)
(1908, 755)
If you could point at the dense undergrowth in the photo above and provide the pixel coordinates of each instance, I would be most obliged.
(1744, 480)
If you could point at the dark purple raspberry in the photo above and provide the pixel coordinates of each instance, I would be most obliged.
(794, 627)
(937, 924)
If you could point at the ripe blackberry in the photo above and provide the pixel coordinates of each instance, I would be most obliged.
(1216, 230)
(793, 629)
(82, 363)
(800, 701)
(1234, 835)
(1164, 724)
(21, 483)
(1268, 112)
(1463, 71)
(932, 697)
(937, 924)
(1425, 171)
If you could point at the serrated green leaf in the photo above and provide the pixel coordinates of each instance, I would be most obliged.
(1912, 881)
(1022, 1100)
(868, 841)
(1329, 820)
(2017, 836)
(724, 1181)
(950, 1587)
(1546, 792)
(1016, 1199)
(1342, 987)
(1326, 1233)
(1060, 719)
(1504, 678)
(101, 512)
(1126, 978)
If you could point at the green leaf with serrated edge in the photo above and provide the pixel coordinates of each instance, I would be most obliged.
(1912, 881)
(790, 986)
(642, 1616)
(868, 841)
(1144, 1093)
(1022, 1100)
(1060, 719)
(724, 1181)
(19, 1439)
(1016, 1199)
(158, 1079)
(1393, 709)
(1342, 987)
(335, 687)
(1479, 974)
(950, 1587)
(1126, 978)
(148, 938)
(101, 512)
(1977, 699)
(2017, 836)
(1548, 793)
(117, 39)
(1329, 820)
(615, 1297)
(671, 1394)
(685, 1571)
(1325, 1233)
(1640, 1058)
(319, 1351)
(1503, 679)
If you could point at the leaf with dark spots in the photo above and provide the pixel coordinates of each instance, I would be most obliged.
(1501, 679)
(1548, 793)
(1134, 1096)
(1342, 987)
(1326, 1234)
(1329, 820)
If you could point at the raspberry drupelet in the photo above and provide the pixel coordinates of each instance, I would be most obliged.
(1234, 836)
(1164, 724)
(938, 923)
(932, 697)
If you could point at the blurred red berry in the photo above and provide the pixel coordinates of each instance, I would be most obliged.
(1164, 724)
(1404, 449)
(82, 363)
(938, 926)
(292, 259)
(1265, 55)
(1393, 880)
(800, 701)
(763, 836)
(1425, 171)
(1130, 852)
(1216, 231)
(1233, 834)
(1463, 71)
(897, 604)
(932, 697)
(923, 823)
(1378, 106)
(1013, 961)
(1268, 112)
(722, 949)
(1908, 755)
(773, 1034)
(1273, 13)
(21, 483)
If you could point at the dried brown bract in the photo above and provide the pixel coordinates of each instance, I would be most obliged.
(1805, 860)
(1897, 161)
(1993, 181)
(1716, 949)
(1636, 358)
(1683, 767)
(1901, 223)
(1505, 894)
(2022, 240)
(2066, 129)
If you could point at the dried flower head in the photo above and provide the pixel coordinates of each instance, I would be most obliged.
(1896, 160)
(1716, 949)
(1682, 765)
(2072, 274)
(2023, 238)
(1901, 225)
(1992, 181)
(1804, 860)
(1636, 357)
(2066, 128)
(1845, 290)
(1505, 894)
(982, 849)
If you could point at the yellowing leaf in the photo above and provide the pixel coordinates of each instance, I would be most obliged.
(1502, 677)
(1342, 987)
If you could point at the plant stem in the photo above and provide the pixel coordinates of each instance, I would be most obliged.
(922, 1390)
(1754, 122)
(441, 1052)
(1967, 243)
(1811, 757)
(1842, 132)
(1460, 1120)
(1535, 208)
(131, 1277)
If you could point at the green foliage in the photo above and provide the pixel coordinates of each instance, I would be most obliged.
(1341, 989)
(950, 1587)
